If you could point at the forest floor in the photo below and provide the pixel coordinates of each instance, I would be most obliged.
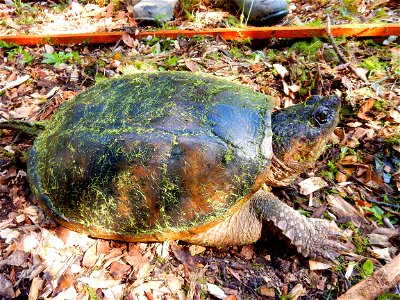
(360, 169)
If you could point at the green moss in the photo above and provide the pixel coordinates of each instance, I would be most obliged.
(393, 140)
(307, 48)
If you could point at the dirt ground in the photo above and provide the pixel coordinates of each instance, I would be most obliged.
(360, 169)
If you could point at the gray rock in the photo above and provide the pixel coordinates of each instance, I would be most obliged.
(262, 12)
(154, 11)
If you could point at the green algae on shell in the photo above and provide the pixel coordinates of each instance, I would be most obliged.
(152, 154)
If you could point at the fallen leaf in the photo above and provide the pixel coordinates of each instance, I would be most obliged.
(247, 251)
(6, 287)
(24, 112)
(118, 270)
(296, 292)
(367, 105)
(128, 40)
(285, 87)
(395, 115)
(362, 73)
(191, 65)
(349, 160)
(99, 283)
(354, 124)
(102, 247)
(381, 254)
(65, 281)
(317, 265)
(90, 257)
(379, 240)
(18, 258)
(311, 185)
(294, 88)
(344, 210)
(340, 177)
(115, 292)
(9, 235)
(282, 71)
(195, 249)
(215, 290)
(349, 270)
(267, 291)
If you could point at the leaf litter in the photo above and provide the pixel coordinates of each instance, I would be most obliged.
(356, 182)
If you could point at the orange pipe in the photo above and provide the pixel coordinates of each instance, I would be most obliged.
(352, 30)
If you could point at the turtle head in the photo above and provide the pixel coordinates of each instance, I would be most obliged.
(300, 132)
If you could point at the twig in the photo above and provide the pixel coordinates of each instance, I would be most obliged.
(382, 280)
(341, 55)
(14, 83)
(395, 206)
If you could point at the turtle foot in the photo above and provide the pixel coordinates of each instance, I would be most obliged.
(314, 238)
(321, 240)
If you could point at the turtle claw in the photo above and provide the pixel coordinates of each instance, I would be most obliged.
(314, 238)
(326, 241)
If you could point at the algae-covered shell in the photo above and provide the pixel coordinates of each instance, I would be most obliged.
(152, 156)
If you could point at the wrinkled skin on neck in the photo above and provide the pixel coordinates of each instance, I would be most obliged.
(300, 133)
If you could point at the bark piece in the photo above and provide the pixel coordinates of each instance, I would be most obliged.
(378, 283)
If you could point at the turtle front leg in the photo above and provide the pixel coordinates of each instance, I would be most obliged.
(314, 238)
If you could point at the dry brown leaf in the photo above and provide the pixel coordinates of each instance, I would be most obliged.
(192, 65)
(282, 71)
(6, 287)
(195, 249)
(316, 265)
(381, 254)
(367, 105)
(352, 142)
(354, 124)
(296, 292)
(90, 257)
(113, 253)
(18, 258)
(395, 115)
(311, 185)
(247, 251)
(118, 270)
(129, 41)
(103, 247)
(294, 88)
(362, 73)
(65, 281)
(256, 67)
(342, 209)
(15, 83)
(361, 132)
(285, 87)
(110, 9)
(340, 177)
(349, 270)
(215, 290)
(267, 291)
(115, 292)
(98, 283)
(349, 160)
(24, 112)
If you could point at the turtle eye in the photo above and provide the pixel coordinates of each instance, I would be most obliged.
(321, 116)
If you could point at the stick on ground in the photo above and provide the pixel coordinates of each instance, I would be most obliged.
(379, 282)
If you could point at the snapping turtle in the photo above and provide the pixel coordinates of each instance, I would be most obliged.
(175, 155)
